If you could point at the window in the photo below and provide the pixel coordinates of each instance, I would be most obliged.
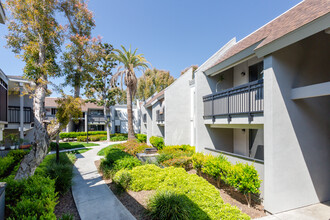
(117, 129)
(54, 110)
(255, 71)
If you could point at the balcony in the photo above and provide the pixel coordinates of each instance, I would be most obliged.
(14, 115)
(242, 101)
(97, 119)
(160, 117)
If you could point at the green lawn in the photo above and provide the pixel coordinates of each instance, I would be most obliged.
(102, 152)
(71, 145)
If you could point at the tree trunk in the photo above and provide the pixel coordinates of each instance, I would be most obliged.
(131, 135)
(107, 121)
(40, 148)
(77, 91)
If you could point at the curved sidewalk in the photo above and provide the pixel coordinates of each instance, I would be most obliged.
(93, 198)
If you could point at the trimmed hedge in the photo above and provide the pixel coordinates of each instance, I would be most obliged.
(77, 134)
(118, 138)
(92, 138)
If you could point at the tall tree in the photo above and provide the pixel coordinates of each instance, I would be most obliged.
(153, 80)
(78, 57)
(99, 90)
(130, 62)
(36, 37)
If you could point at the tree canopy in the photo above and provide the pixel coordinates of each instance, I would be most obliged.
(153, 80)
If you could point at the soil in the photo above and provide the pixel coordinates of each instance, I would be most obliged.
(66, 205)
(136, 202)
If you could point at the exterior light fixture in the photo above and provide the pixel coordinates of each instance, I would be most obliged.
(243, 73)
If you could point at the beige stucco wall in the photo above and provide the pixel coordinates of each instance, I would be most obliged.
(297, 133)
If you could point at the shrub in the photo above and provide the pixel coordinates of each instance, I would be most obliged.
(123, 178)
(118, 138)
(18, 155)
(164, 157)
(168, 205)
(157, 142)
(7, 164)
(61, 172)
(76, 134)
(132, 147)
(11, 162)
(203, 199)
(184, 162)
(141, 137)
(245, 178)
(31, 198)
(91, 138)
(82, 138)
(115, 160)
(217, 167)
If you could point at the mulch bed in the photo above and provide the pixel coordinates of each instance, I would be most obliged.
(66, 205)
(136, 202)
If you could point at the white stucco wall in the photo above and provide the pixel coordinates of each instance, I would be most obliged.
(297, 133)
(178, 111)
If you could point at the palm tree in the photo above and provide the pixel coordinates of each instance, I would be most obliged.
(130, 61)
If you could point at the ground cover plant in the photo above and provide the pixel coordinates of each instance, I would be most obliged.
(200, 199)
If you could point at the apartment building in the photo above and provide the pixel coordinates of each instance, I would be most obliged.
(153, 116)
(93, 117)
(20, 109)
(3, 103)
(263, 100)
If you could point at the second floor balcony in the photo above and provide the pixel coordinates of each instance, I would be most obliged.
(160, 116)
(242, 101)
(14, 114)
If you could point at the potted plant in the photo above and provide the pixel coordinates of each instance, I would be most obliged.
(12, 138)
(19, 143)
(2, 145)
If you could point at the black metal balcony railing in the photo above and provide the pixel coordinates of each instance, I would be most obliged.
(247, 99)
(160, 117)
(97, 119)
(14, 115)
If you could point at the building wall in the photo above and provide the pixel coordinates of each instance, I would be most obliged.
(297, 132)
(122, 119)
(143, 125)
(177, 109)
(157, 130)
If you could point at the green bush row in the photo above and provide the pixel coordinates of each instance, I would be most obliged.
(77, 134)
(243, 177)
(157, 142)
(92, 138)
(118, 138)
(197, 198)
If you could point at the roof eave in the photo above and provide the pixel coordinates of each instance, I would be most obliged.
(233, 60)
(320, 24)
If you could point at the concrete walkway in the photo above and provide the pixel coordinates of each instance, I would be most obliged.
(319, 211)
(93, 198)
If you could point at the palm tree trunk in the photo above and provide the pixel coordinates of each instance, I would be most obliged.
(131, 135)
(40, 148)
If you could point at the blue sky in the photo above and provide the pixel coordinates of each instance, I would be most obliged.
(172, 34)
